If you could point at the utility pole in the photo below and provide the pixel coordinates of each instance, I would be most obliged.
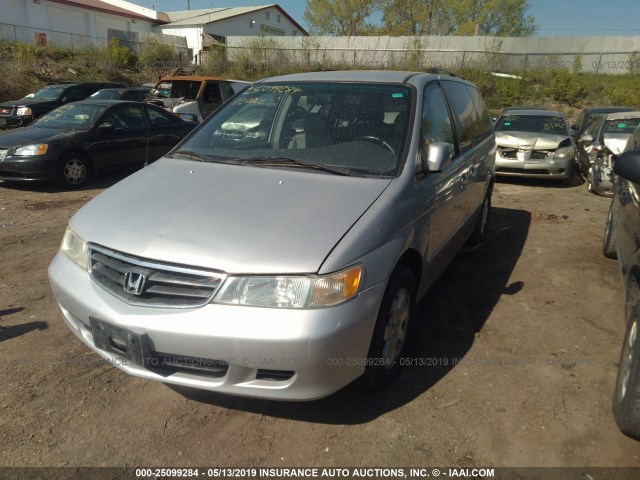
(430, 5)
(188, 4)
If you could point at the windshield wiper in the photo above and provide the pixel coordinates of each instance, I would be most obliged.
(192, 155)
(290, 162)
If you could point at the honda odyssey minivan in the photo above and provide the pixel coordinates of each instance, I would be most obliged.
(280, 249)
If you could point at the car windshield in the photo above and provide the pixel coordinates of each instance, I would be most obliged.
(48, 93)
(348, 128)
(533, 124)
(187, 89)
(108, 94)
(76, 116)
(624, 125)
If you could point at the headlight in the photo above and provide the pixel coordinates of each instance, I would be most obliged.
(75, 248)
(291, 291)
(564, 152)
(23, 111)
(32, 150)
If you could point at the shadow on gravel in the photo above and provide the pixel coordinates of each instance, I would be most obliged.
(574, 182)
(447, 320)
(7, 333)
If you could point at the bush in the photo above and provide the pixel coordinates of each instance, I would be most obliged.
(567, 87)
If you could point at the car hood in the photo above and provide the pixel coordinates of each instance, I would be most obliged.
(236, 219)
(529, 140)
(31, 134)
(616, 142)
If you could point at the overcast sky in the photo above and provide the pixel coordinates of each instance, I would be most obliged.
(554, 17)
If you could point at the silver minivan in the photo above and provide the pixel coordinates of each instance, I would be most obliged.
(280, 249)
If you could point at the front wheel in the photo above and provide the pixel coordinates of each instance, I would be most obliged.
(391, 332)
(73, 171)
(626, 399)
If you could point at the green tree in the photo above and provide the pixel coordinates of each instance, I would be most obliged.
(344, 17)
(457, 17)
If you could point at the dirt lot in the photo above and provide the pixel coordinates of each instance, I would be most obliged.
(535, 317)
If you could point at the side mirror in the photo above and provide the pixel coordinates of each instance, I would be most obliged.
(574, 127)
(106, 127)
(627, 166)
(438, 156)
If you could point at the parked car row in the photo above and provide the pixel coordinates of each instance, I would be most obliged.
(70, 139)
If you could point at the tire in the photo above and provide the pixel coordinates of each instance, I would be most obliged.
(482, 223)
(392, 329)
(626, 399)
(610, 238)
(74, 171)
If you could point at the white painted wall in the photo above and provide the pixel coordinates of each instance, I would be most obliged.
(53, 18)
(193, 34)
(239, 25)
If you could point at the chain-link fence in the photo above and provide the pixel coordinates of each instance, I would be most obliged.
(136, 41)
(600, 55)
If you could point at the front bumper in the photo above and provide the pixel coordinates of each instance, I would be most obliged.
(15, 121)
(270, 353)
(559, 168)
(29, 169)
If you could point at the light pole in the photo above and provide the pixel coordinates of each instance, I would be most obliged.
(430, 5)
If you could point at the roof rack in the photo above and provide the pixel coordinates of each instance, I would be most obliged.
(442, 71)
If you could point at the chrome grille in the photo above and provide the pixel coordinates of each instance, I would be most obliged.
(156, 284)
(5, 112)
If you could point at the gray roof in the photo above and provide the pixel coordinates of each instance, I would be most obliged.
(622, 115)
(209, 15)
(536, 112)
(351, 76)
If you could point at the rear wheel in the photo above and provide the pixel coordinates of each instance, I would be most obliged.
(391, 332)
(609, 247)
(73, 171)
(626, 399)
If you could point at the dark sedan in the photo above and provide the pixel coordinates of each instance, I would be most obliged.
(82, 139)
(621, 240)
(136, 94)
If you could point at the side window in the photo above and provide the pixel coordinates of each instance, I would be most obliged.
(436, 121)
(594, 126)
(158, 117)
(126, 117)
(228, 91)
(212, 93)
(483, 127)
(73, 94)
(465, 113)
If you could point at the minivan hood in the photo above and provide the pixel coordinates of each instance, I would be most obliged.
(236, 219)
(529, 140)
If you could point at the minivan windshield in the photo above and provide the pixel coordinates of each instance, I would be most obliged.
(348, 128)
